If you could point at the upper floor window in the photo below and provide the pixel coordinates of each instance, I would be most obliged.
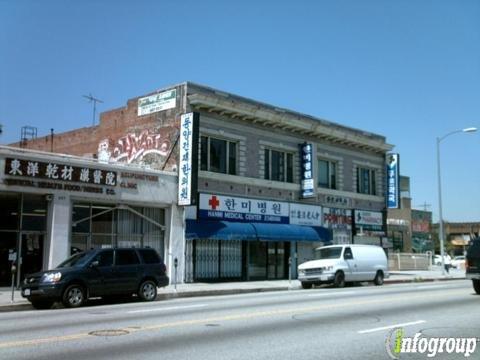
(327, 174)
(278, 166)
(366, 181)
(218, 155)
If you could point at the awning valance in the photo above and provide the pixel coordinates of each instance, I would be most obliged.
(227, 230)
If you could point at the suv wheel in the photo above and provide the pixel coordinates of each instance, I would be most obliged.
(42, 304)
(74, 296)
(339, 280)
(147, 290)
(476, 286)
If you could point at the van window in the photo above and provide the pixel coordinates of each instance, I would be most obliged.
(347, 255)
(328, 253)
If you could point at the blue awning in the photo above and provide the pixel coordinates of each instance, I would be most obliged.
(227, 230)
(220, 230)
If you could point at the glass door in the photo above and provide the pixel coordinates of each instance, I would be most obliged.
(31, 254)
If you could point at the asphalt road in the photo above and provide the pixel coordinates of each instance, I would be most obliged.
(326, 323)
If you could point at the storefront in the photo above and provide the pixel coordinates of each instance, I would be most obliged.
(235, 238)
(369, 228)
(55, 205)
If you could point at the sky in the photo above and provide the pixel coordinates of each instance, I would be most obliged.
(405, 69)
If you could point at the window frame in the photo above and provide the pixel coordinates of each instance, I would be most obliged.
(230, 169)
(331, 183)
(372, 181)
(288, 165)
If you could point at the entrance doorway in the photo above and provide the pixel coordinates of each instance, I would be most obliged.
(31, 254)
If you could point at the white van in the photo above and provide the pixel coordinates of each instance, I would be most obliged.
(339, 264)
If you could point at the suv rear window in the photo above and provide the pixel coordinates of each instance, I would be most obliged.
(126, 257)
(149, 256)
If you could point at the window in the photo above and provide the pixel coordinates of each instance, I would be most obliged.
(366, 181)
(218, 155)
(149, 256)
(126, 257)
(105, 258)
(327, 174)
(278, 166)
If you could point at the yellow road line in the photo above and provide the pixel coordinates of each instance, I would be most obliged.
(304, 310)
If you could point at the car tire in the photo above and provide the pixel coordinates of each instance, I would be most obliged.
(42, 304)
(306, 285)
(378, 278)
(476, 286)
(74, 296)
(339, 281)
(147, 290)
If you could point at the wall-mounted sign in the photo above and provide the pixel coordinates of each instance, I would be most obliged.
(60, 172)
(393, 175)
(334, 218)
(368, 220)
(188, 162)
(301, 214)
(158, 102)
(307, 186)
(334, 200)
(229, 208)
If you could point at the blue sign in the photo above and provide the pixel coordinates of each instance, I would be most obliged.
(308, 189)
(393, 181)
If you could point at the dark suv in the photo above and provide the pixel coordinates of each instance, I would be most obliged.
(106, 273)
(472, 264)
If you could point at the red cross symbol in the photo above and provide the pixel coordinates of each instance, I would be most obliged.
(213, 202)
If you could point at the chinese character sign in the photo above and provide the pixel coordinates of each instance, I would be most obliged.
(61, 172)
(393, 175)
(188, 162)
(306, 154)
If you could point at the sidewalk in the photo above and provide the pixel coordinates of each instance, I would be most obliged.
(212, 289)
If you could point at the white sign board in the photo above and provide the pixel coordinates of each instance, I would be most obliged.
(185, 162)
(301, 214)
(158, 102)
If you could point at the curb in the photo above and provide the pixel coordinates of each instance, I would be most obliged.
(188, 294)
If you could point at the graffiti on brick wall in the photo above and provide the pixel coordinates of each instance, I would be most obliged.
(134, 147)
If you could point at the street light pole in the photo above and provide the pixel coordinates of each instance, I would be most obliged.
(440, 221)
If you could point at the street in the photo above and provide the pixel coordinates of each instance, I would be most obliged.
(322, 323)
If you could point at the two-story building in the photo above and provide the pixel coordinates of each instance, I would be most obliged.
(268, 184)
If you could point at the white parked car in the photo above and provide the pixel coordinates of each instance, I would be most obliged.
(458, 262)
(339, 264)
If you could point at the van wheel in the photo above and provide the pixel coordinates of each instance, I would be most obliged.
(147, 290)
(74, 296)
(339, 280)
(378, 278)
(476, 286)
(306, 285)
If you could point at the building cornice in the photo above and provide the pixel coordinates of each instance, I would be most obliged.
(274, 118)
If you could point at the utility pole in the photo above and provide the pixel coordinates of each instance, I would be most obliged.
(95, 101)
(425, 206)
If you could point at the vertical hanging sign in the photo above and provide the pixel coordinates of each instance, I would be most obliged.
(393, 181)
(188, 161)
(308, 189)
